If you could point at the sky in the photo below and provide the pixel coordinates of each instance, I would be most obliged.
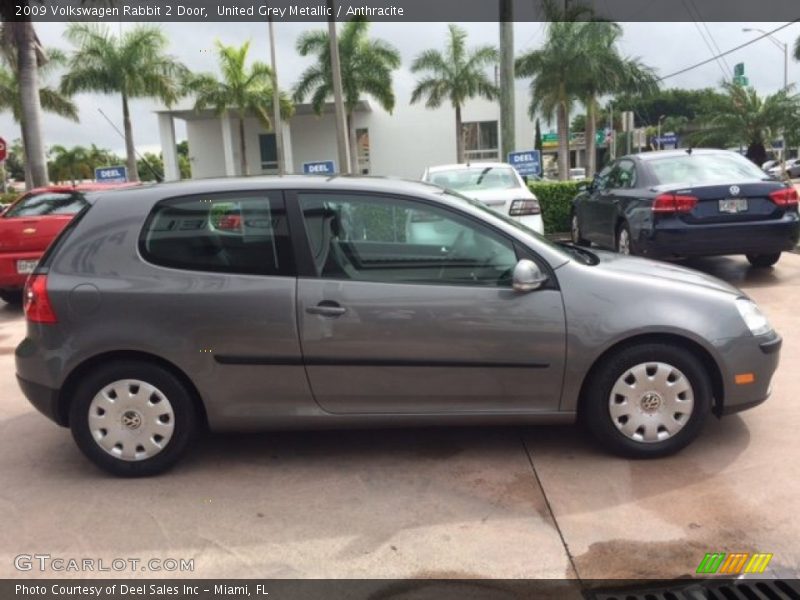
(668, 47)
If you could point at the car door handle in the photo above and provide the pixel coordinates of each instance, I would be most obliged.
(326, 308)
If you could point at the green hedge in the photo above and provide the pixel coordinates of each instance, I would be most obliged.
(8, 197)
(555, 197)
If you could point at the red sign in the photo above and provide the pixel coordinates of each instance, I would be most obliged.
(3, 149)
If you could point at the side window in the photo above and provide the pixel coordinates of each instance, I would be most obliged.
(603, 177)
(223, 233)
(625, 175)
(391, 240)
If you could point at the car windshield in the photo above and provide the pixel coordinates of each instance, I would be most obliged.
(47, 203)
(704, 168)
(477, 178)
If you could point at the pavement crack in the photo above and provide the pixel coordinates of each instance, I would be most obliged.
(550, 511)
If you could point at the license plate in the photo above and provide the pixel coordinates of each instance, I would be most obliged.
(733, 205)
(25, 267)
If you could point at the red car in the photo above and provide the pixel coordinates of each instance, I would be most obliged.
(29, 225)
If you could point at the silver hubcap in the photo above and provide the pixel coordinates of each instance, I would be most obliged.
(624, 244)
(576, 232)
(131, 419)
(651, 402)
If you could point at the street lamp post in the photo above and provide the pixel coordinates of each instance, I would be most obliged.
(784, 47)
(658, 135)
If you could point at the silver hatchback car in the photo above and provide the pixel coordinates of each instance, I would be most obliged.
(303, 302)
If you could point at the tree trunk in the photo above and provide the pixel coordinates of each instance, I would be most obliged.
(591, 131)
(30, 103)
(27, 166)
(242, 146)
(130, 148)
(353, 143)
(563, 141)
(459, 136)
(507, 128)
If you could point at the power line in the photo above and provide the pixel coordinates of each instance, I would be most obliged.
(739, 47)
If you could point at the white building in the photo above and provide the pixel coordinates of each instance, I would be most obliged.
(400, 144)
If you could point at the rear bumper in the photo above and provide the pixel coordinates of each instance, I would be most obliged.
(44, 399)
(673, 237)
(9, 278)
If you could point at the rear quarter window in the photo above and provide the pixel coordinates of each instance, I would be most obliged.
(246, 234)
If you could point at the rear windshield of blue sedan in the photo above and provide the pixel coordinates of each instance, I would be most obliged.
(704, 168)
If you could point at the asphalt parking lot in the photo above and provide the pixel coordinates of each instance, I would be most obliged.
(533, 502)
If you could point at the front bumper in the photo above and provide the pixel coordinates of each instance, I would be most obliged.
(758, 356)
(672, 237)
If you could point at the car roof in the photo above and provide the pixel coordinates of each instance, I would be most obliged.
(189, 187)
(657, 154)
(457, 166)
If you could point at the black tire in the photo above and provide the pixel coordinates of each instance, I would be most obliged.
(596, 411)
(13, 297)
(623, 229)
(575, 231)
(179, 398)
(762, 261)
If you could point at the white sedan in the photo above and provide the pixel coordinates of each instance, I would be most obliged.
(495, 184)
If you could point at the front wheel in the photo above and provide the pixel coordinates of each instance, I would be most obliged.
(575, 229)
(648, 400)
(132, 418)
(624, 240)
(762, 261)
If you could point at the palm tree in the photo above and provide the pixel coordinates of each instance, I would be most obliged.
(366, 67)
(133, 65)
(457, 75)
(746, 118)
(24, 53)
(241, 90)
(69, 163)
(604, 71)
(50, 99)
(552, 69)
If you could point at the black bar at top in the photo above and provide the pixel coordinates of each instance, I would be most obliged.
(397, 11)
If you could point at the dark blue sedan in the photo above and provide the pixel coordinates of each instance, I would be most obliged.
(680, 203)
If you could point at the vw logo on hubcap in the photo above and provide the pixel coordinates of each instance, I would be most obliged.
(131, 419)
(651, 402)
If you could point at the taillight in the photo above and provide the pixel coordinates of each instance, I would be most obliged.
(37, 303)
(784, 197)
(527, 206)
(673, 203)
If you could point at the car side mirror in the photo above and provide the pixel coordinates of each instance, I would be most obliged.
(527, 276)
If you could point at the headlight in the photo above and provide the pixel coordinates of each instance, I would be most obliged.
(755, 320)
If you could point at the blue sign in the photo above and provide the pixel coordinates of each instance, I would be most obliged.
(527, 162)
(319, 167)
(668, 139)
(111, 174)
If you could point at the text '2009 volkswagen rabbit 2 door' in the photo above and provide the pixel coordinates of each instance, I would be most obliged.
(410, 309)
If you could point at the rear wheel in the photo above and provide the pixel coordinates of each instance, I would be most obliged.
(132, 418)
(11, 297)
(624, 239)
(763, 261)
(575, 228)
(648, 400)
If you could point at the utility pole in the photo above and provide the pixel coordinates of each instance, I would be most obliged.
(277, 125)
(507, 129)
(338, 100)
